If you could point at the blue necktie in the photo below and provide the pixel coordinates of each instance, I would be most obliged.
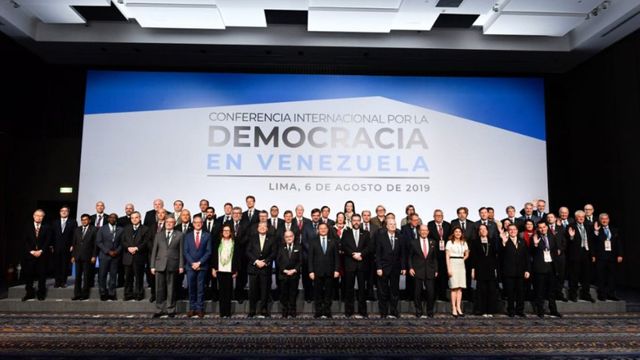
(324, 245)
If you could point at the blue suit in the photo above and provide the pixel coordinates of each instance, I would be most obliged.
(196, 278)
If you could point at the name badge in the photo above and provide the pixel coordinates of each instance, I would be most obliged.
(547, 256)
(607, 245)
(441, 245)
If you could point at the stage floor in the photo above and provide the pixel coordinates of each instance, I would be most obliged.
(115, 335)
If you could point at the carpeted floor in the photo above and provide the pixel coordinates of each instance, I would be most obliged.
(574, 336)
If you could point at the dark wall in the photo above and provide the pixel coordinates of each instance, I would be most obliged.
(590, 112)
(592, 128)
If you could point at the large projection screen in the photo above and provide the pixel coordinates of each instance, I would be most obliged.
(434, 142)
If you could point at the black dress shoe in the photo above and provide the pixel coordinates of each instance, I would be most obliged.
(28, 297)
(541, 315)
(159, 314)
(556, 314)
(113, 298)
(573, 298)
(40, 297)
(172, 315)
(430, 315)
(511, 315)
(602, 298)
(151, 299)
(76, 298)
(588, 298)
(522, 315)
(104, 298)
(613, 298)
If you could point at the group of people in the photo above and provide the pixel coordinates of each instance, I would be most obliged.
(354, 257)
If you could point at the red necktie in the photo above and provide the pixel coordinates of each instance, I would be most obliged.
(197, 239)
(299, 225)
(425, 249)
(440, 232)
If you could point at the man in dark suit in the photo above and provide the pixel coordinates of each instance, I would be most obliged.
(197, 253)
(288, 225)
(372, 278)
(203, 205)
(589, 214)
(99, 218)
(544, 249)
(357, 251)
(135, 240)
(607, 251)
(109, 246)
(240, 236)
(151, 217)
(83, 255)
(251, 214)
(409, 232)
(261, 252)
(439, 231)
(34, 264)
(126, 219)
(309, 233)
(325, 212)
(324, 262)
(484, 219)
(63, 229)
(167, 260)
(527, 214)
(300, 222)
(275, 222)
(560, 261)
(226, 217)
(423, 267)
(210, 223)
(390, 264)
(511, 216)
(289, 261)
(515, 269)
(540, 212)
(579, 253)
(184, 223)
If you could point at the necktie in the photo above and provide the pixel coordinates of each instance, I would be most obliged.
(37, 230)
(99, 224)
(607, 233)
(289, 246)
(184, 227)
(274, 222)
(324, 245)
(169, 238)
(356, 236)
(315, 227)
(113, 234)
(553, 229)
(583, 235)
(84, 231)
(393, 242)
(425, 249)
(464, 226)
(197, 239)
(300, 224)
(415, 233)
(227, 219)
(366, 226)
(564, 223)
(250, 214)
(235, 229)
(261, 242)
(440, 232)
(159, 227)
(546, 242)
(64, 224)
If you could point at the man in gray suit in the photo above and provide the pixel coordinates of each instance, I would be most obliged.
(167, 261)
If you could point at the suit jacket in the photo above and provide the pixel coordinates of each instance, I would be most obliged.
(42, 242)
(388, 258)
(328, 222)
(221, 220)
(534, 217)
(62, 240)
(470, 228)
(200, 254)
(348, 244)
(425, 268)
(433, 231)
(94, 219)
(305, 221)
(281, 229)
(84, 247)
(323, 264)
(165, 256)
(309, 233)
(106, 241)
(215, 227)
(599, 245)
(517, 221)
(140, 239)
(286, 261)
(515, 261)
(561, 239)
(574, 246)
(242, 235)
(254, 216)
(235, 257)
(124, 221)
(494, 233)
(408, 234)
(377, 222)
(484, 258)
(267, 254)
(538, 265)
(178, 227)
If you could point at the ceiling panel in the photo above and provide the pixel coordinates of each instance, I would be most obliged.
(176, 17)
(415, 15)
(552, 6)
(363, 21)
(59, 12)
(356, 4)
(534, 25)
(241, 14)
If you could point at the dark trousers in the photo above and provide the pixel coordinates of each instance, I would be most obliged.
(83, 275)
(288, 295)
(241, 277)
(134, 281)
(580, 273)
(514, 287)
(428, 285)
(151, 279)
(442, 281)
(350, 280)
(544, 287)
(486, 296)
(259, 287)
(35, 270)
(561, 274)
(323, 294)
(120, 274)
(108, 266)
(166, 291)
(606, 278)
(195, 279)
(371, 279)
(61, 260)
(225, 287)
(388, 292)
(307, 283)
